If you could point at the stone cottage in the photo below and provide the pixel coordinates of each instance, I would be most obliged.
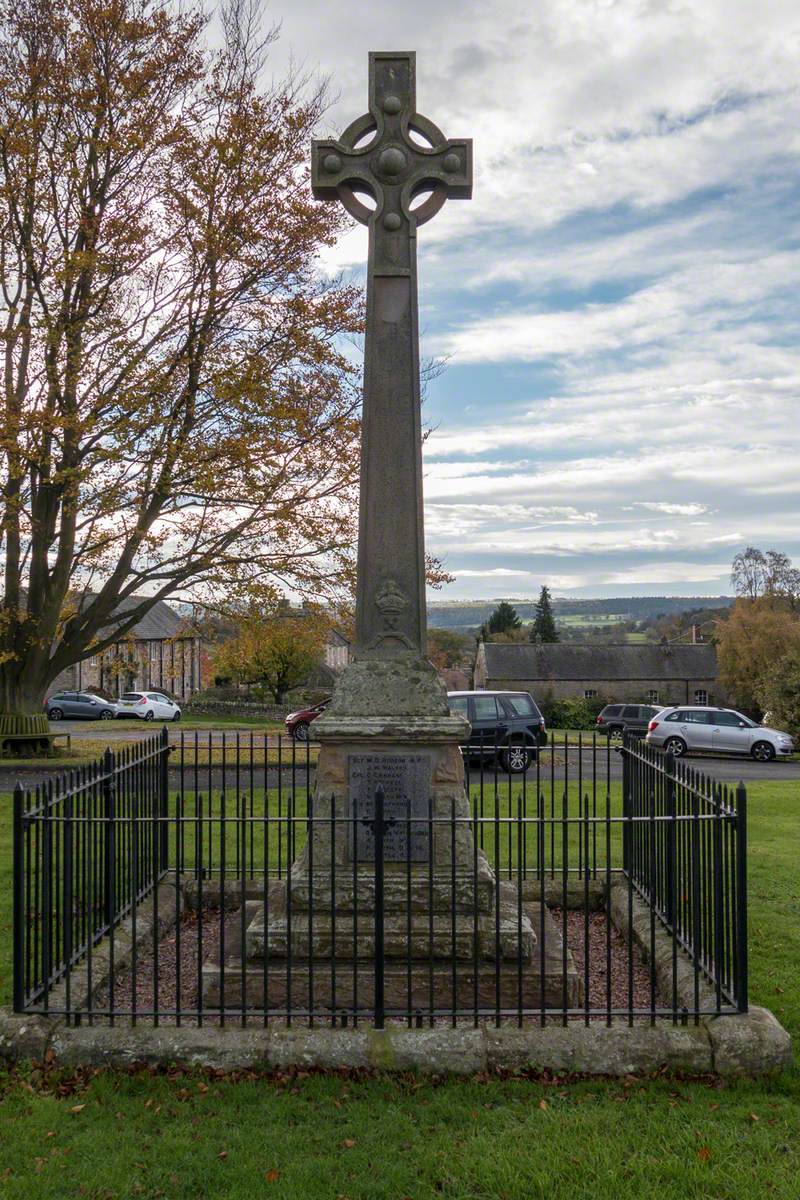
(163, 650)
(647, 673)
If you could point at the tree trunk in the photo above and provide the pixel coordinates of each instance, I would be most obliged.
(23, 688)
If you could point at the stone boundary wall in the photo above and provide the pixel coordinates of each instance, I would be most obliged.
(751, 1043)
(236, 708)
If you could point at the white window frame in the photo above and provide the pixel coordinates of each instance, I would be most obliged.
(700, 697)
(590, 693)
(652, 696)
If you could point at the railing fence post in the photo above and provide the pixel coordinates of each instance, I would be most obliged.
(626, 807)
(20, 866)
(741, 897)
(164, 752)
(379, 827)
(110, 839)
(672, 830)
(380, 1001)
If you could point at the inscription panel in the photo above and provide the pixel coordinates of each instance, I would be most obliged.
(406, 781)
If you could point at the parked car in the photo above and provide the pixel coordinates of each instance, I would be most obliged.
(76, 705)
(617, 719)
(148, 706)
(718, 730)
(297, 723)
(506, 725)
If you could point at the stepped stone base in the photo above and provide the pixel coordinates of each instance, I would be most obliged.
(439, 931)
(420, 980)
(417, 888)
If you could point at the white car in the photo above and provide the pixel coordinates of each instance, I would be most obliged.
(149, 706)
(715, 731)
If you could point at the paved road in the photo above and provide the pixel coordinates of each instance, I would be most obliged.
(726, 770)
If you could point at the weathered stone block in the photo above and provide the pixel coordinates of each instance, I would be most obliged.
(23, 1037)
(221, 1049)
(326, 1048)
(417, 889)
(751, 1043)
(598, 1049)
(430, 1051)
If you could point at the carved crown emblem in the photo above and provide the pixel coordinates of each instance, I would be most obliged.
(390, 602)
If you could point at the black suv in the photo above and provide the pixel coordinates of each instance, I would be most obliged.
(506, 724)
(618, 719)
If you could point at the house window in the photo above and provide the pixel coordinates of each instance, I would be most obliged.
(700, 696)
(652, 696)
(590, 693)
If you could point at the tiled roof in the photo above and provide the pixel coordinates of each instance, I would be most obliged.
(582, 660)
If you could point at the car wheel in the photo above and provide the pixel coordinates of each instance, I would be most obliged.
(54, 714)
(515, 759)
(616, 731)
(300, 732)
(763, 751)
(106, 715)
(177, 716)
(149, 715)
(676, 746)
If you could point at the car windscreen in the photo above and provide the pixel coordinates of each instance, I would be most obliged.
(520, 706)
(130, 696)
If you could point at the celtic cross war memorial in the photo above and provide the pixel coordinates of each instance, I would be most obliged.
(391, 904)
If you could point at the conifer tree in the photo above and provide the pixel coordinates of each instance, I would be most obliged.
(503, 620)
(544, 624)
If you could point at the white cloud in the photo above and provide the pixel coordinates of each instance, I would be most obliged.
(678, 510)
(494, 572)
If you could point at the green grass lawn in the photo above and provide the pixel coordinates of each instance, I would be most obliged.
(114, 1135)
(200, 745)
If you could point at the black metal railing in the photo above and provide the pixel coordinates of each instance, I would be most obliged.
(88, 846)
(199, 878)
(685, 852)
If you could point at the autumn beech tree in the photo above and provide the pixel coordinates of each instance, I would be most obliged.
(276, 651)
(178, 413)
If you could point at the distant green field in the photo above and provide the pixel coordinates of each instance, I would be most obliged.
(593, 619)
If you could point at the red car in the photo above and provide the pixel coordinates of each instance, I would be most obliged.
(297, 723)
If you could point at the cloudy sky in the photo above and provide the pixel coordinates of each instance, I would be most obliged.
(619, 301)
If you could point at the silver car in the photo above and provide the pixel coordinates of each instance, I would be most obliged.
(716, 731)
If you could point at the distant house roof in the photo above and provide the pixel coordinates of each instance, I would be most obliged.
(582, 660)
(337, 638)
(161, 623)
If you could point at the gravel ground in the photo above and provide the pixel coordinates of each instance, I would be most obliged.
(622, 996)
(169, 960)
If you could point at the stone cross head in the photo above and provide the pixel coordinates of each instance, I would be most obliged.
(393, 155)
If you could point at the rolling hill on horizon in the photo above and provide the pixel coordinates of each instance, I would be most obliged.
(468, 614)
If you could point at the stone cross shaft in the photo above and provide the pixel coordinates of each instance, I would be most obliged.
(391, 156)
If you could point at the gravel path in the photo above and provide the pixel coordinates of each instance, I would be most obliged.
(181, 965)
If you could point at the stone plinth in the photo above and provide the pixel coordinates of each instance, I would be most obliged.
(412, 983)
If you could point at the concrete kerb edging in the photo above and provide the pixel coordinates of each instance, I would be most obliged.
(742, 1045)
